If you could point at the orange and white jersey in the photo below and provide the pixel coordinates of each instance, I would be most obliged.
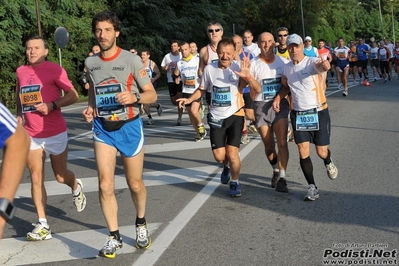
(324, 53)
(226, 99)
(269, 76)
(307, 85)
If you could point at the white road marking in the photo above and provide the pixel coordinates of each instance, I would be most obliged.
(166, 237)
(153, 178)
(65, 246)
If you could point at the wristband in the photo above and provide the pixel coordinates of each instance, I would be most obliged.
(7, 209)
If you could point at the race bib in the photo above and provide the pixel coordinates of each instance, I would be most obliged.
(221, 97)
(149, 74)
(270, 87)
(373, 55)
(342, 55)
(30, 96)
(307, 120)
(189, 82)
(106, 101)
(213, 122)
(172, 66)
(383, 57)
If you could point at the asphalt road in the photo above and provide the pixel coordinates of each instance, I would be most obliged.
(193, 221)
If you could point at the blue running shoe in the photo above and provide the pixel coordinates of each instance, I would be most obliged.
(225, 176)
(235, 189)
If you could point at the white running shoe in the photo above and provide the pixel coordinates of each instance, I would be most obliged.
(143, 239)
(312, 194)
(39, 233)
(80, 200)
(332, 170)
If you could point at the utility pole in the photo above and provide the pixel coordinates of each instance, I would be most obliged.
(303, 21)
(382, 23)
(39, 28)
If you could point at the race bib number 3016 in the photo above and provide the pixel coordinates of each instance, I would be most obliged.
(106, 101)
(307, 120)
(30, 96)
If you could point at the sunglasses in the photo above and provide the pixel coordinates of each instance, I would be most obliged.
(214, 30)
(282, 35)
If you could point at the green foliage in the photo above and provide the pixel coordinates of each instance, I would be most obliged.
(152, 24)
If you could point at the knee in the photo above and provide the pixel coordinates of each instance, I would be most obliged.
(106, 188)
(36, 179)
(219, 157)
(232, 153)
(173, 100)
(269, 149)
(136, 186)
(282, 145)
(233, 157)
(322, 153)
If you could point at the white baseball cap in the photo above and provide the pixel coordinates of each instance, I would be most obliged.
(308, 38)
(294, 39)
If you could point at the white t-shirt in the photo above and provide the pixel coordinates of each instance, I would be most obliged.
(390, 46)
(307, 85)
(268, 76)
(342, 53)
(223, 84)
(374, 52)
(167, 60)
(383, 53)
(189, 74)
(253, 48)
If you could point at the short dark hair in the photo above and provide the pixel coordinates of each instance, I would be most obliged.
(184, 43)
(37, 37)
(247, 31)
(106, 15)
(225, 42)
(322, 40)
(175, 41)
(145, 50)
(281, 29)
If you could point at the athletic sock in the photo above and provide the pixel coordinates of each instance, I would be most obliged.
(43, 221)
(115, 234)
(77, 191)
(307, 169)
(140, 221)
(274, 164)
(327, 160)
(281, 174)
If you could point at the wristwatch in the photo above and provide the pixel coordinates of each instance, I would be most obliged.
(7, 209)
(54, 105)
(138, 97)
